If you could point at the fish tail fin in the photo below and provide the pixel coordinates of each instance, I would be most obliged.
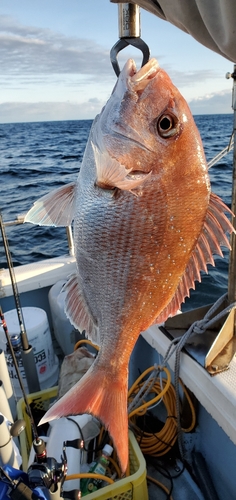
(104, 396)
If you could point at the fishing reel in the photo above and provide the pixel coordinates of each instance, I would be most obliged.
(47, 474)
(46, 471)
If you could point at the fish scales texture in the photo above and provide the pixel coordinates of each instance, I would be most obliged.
(120, 258)
(145, 224)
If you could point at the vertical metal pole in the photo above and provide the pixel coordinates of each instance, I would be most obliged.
(232, 259)
(70, 241)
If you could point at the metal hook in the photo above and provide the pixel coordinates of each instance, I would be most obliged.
(129, 33)
(124, 42)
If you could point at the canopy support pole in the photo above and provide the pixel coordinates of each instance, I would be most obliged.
(232, 257)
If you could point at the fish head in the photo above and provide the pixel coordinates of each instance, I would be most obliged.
(147, 125)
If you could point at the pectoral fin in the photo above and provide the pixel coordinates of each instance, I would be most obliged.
(56, 208)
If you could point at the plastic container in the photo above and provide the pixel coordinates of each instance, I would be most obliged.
(89, 485)
(133, 487)
(39, 336)
(64, 332)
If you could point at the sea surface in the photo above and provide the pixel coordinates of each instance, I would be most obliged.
(36, 158)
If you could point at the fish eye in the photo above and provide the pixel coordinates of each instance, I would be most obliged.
(167, 125)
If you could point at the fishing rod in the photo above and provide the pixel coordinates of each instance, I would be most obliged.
(32, 379)
(27, 351)
(45, 472)
(8, 338)
(38, 443)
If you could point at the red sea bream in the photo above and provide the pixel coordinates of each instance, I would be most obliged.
(145, 224)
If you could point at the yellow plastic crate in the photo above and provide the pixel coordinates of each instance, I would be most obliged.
(41, 400)
(133, 487)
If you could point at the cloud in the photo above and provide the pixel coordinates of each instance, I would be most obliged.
(191, 78)
(49, 111)
(215, 103)
(26, 50)
(37, 62)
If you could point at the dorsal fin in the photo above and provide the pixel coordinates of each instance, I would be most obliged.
(56, 208)
(213, 235)
(77, 310)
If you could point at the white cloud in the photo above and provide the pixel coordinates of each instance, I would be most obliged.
(27, 50)
(215, 103)
(30, 50)
(49, 111)
(46, 75)
(182, 79)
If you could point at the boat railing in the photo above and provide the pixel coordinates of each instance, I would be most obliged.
(20, 218)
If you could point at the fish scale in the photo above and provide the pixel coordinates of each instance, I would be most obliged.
(145, 225)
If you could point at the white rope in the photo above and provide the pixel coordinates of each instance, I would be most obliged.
(145, 389)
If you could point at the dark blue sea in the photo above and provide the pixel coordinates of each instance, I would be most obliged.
(38, 157)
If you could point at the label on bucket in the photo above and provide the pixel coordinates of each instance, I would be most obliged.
(47, 368)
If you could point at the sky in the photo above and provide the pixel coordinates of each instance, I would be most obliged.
(55, 60)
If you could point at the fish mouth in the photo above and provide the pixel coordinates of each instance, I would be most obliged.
(138, 80)
(135, 81)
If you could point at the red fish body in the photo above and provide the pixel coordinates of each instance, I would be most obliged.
(145, 224)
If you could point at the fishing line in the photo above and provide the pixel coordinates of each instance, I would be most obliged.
(29, 364)
(24, 338)
(27, 352)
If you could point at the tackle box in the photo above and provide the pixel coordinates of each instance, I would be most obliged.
(133, 487)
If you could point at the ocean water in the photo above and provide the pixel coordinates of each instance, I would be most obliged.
(38, 157)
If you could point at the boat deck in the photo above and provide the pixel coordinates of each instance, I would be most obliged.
(180, 484)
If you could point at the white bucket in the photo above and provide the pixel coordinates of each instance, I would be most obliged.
(39, 336)
(64, 332)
